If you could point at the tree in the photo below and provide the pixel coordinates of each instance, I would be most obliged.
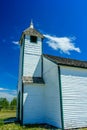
(4, 103)
(13, 103)
(0, 107)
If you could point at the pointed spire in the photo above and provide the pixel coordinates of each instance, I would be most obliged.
(31, 24)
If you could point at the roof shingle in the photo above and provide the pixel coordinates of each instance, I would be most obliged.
(31, 32)
(66, 61)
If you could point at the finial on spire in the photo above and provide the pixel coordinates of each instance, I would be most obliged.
(31, 24)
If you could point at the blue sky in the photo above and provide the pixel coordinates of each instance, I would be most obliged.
(58, 19)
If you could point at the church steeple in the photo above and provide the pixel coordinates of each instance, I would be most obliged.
(31, 24)
(31, 31)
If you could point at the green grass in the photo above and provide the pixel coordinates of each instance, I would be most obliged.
(7, 114)
(15, 126)
(18, 127)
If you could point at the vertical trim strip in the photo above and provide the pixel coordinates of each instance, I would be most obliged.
(22, 82)
(61, 102)
(22, 107)
(42, 58)
(42, 66)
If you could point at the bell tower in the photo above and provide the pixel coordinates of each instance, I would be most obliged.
(31, 40)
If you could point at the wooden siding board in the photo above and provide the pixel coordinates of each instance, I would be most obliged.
(52, 98)
(74, 91)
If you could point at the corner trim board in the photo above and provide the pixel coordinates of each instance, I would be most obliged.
(61, 103)
(22, 84)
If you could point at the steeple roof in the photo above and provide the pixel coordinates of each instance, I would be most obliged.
(31, 31)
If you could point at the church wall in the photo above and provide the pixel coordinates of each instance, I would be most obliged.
(33, 104)
(74, 95)
(52, 94)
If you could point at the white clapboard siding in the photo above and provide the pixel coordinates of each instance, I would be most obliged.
(33, 48)
(51, 94)
(32, 58)
(33, 102)
(74, 94)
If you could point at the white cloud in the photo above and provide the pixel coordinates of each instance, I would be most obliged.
(3, 89)
(16, 45)
(15, 42)
(64, 44)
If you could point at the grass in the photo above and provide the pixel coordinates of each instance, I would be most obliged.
(5, 114)
(15, 126)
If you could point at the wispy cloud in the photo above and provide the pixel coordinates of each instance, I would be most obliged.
(3, 89)
(15, 42)
(7, 93)
(15, 45)
(10, 75)
(64, 44)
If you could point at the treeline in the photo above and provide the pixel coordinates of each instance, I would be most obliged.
(5, 104)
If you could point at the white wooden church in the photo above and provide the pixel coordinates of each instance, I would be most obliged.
(51, 90)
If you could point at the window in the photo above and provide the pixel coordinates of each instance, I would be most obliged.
(33, 39)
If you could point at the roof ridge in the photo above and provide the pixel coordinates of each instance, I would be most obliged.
(63, 57)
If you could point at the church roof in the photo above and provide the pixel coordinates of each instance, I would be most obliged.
(66, 61)
(33, 32)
